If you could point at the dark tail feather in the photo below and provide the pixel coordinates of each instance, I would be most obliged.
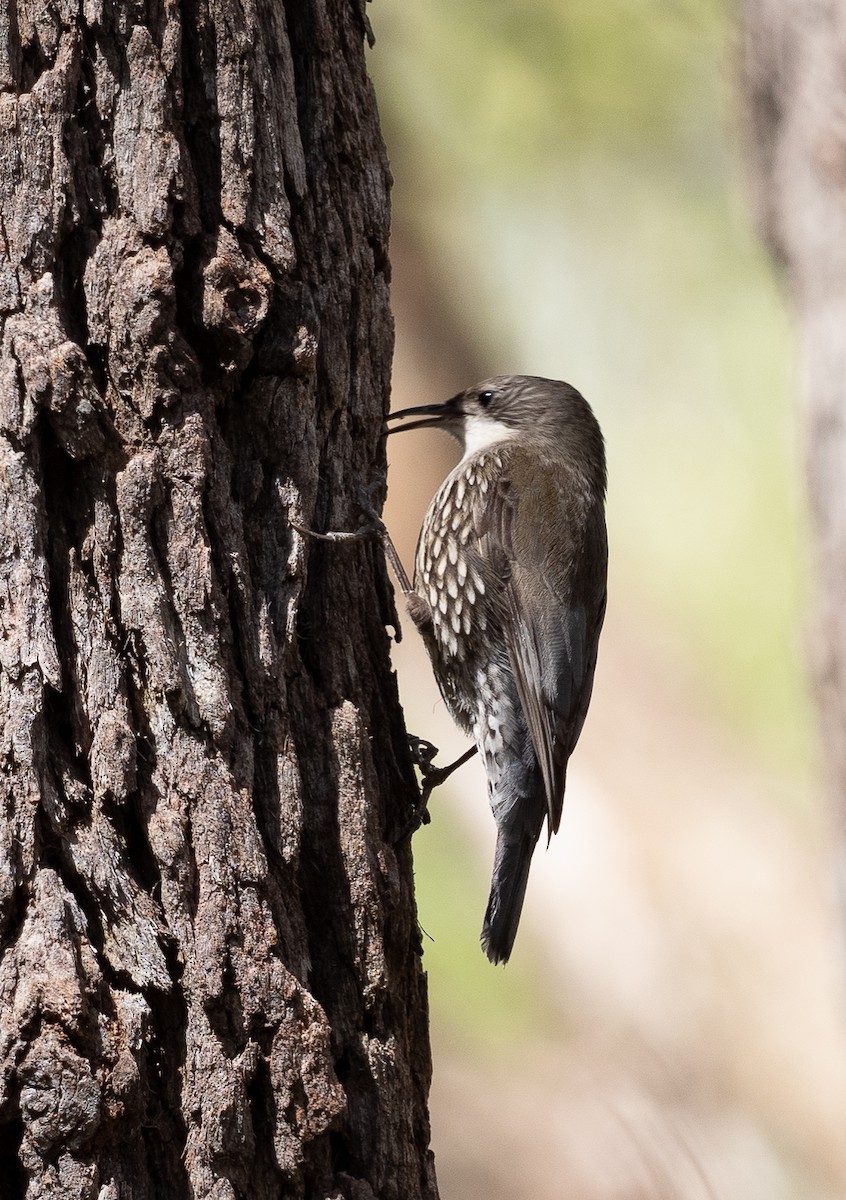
(508, 887)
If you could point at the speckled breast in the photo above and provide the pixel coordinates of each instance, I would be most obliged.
(449, 572)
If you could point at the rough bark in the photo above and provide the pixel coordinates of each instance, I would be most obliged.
(796, 94)
(210, 982)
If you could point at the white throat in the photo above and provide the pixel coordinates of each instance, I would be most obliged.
(480, 433)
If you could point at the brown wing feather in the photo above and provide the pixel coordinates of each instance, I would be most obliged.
(553, 604)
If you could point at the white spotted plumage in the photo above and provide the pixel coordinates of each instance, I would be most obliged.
(442, 572)
(509, 594)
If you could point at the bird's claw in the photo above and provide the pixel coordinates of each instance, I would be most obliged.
(365, 493)
(422, 753)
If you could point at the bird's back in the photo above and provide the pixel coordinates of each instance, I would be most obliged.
(512, 608)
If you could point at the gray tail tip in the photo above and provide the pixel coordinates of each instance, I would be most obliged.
(508, 889)
(498, 950)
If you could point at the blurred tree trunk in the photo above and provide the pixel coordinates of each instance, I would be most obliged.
(796, 94)
(210, 982)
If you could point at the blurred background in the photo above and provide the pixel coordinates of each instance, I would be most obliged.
(570, 200)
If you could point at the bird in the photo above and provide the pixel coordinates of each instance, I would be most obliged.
(509, 595)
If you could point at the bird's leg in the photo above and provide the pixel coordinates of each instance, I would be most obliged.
(376, 528)
(422, 753)
(365, 499)
(335, 535)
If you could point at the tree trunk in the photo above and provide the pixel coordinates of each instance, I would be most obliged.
(211, 982)
(796, 93)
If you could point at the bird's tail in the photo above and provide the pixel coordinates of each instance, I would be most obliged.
(508, 887)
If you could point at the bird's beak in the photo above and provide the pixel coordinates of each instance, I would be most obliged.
(427, 415)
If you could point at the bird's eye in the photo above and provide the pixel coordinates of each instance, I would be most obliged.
(485, 398)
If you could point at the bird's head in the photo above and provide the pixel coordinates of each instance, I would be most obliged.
(547, 415)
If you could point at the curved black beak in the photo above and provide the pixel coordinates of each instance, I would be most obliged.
(427, 415)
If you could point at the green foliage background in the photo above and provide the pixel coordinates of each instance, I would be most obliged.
(574, 173)
(577, 170)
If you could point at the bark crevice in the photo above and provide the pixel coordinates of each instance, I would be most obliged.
(210, 983)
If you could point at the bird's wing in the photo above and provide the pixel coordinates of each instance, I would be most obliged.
(552, 607)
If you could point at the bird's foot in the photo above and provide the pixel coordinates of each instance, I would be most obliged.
(374, 528)
(364, 494)
(422, 753)
(434, 776)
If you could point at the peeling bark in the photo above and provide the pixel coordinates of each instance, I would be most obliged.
(210, 982)
(795, 50)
